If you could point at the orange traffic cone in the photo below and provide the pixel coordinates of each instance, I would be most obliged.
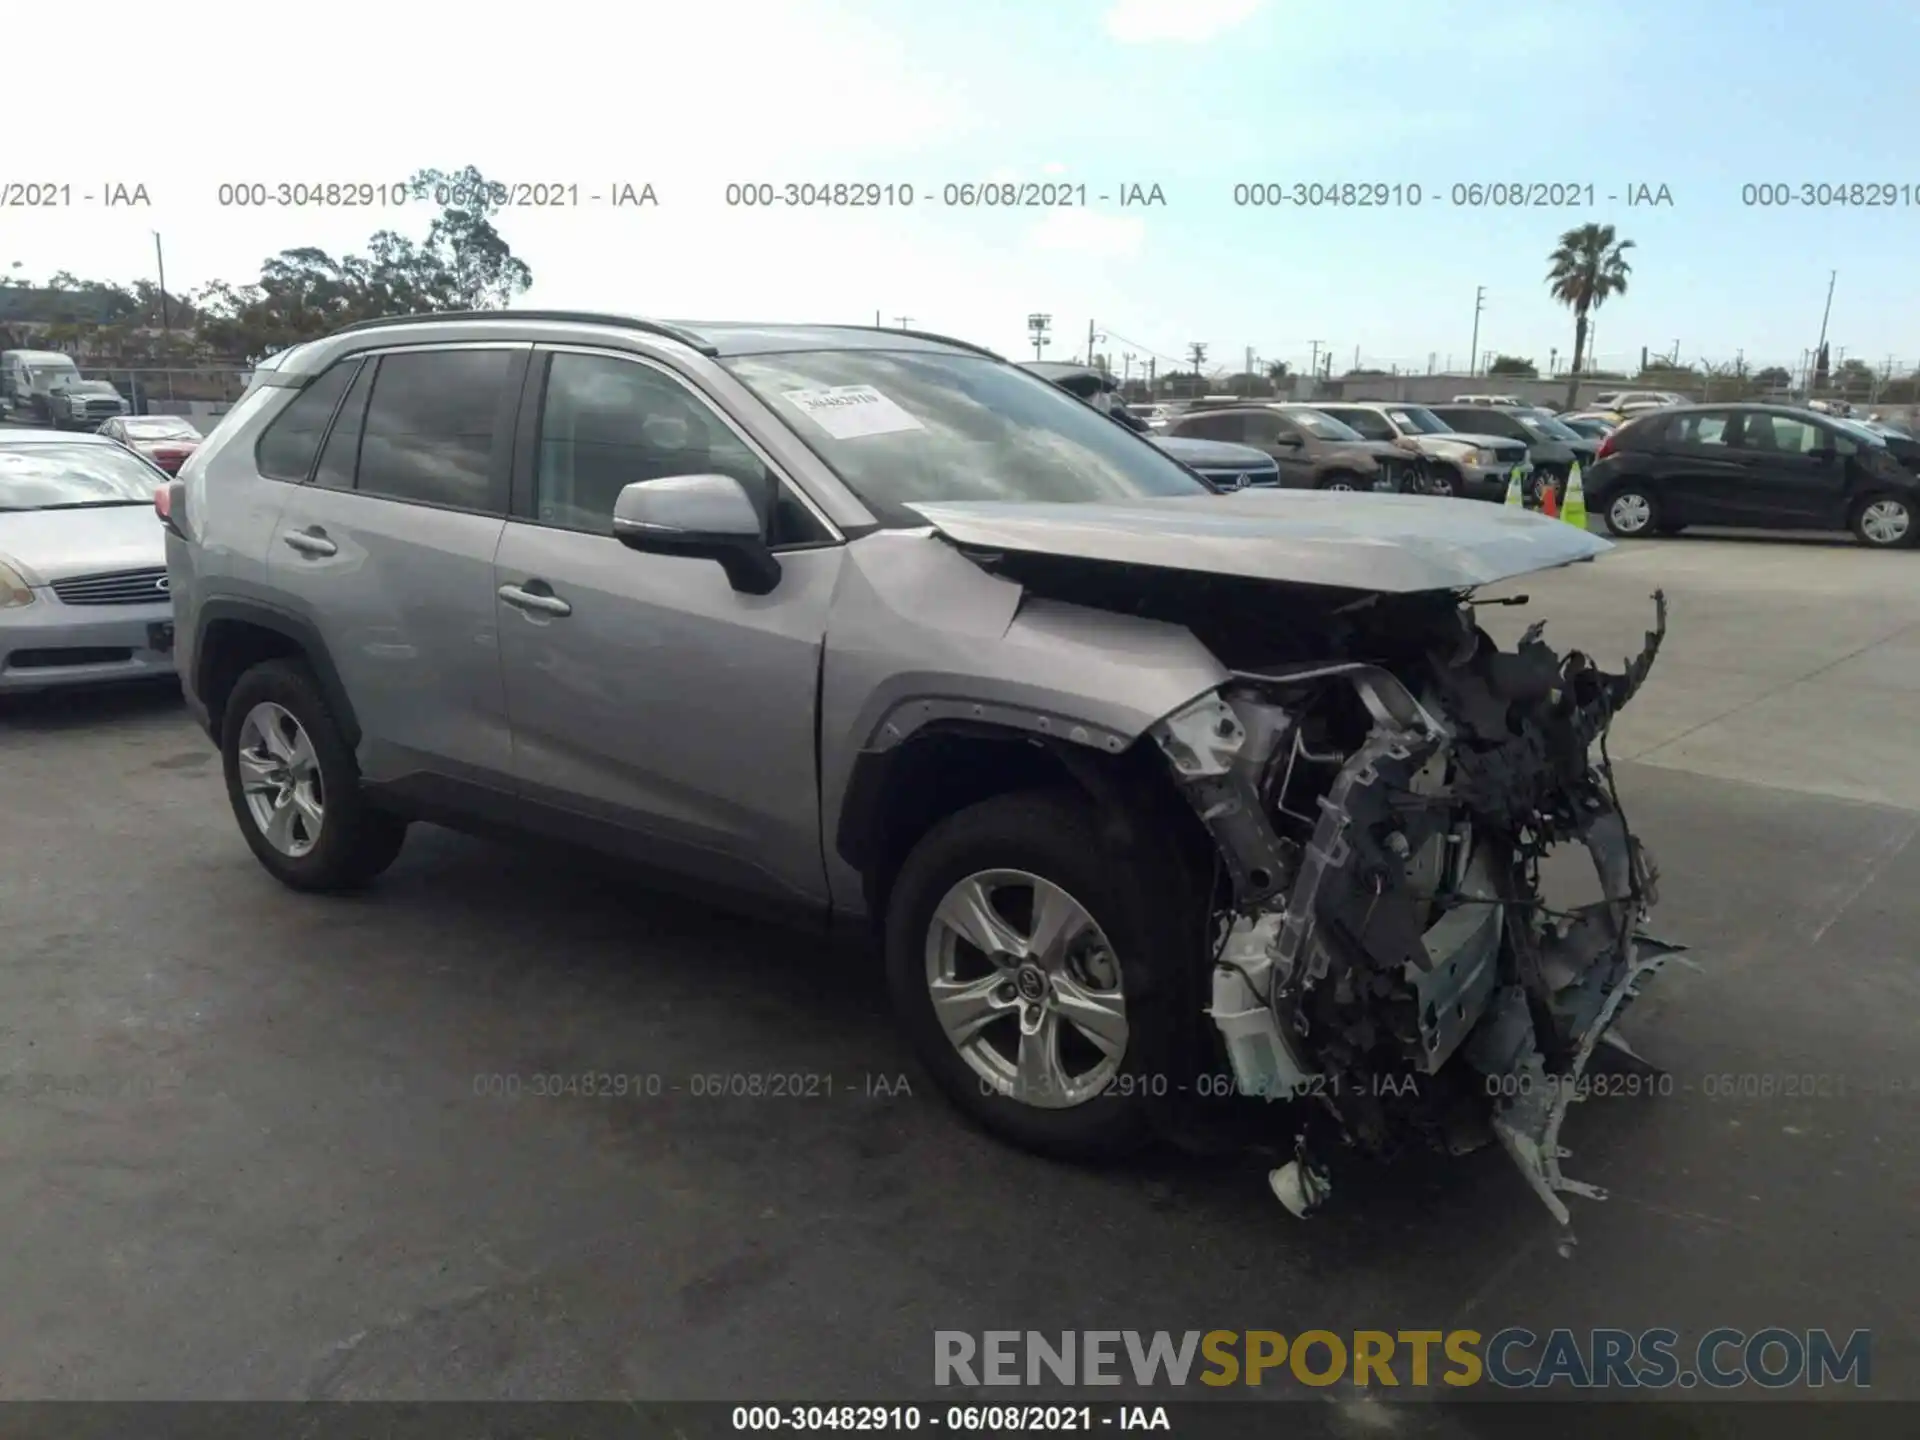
(1549, 501)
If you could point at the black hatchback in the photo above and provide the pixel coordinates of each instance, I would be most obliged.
(1757, 466)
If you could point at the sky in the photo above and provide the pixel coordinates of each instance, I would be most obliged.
(1189, 97)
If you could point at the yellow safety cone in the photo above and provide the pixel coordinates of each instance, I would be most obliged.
(1514, 497)
(1574, 512)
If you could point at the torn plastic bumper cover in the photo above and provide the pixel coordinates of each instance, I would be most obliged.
(1385, 950)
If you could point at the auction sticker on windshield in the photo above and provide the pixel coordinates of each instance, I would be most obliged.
(851, 412)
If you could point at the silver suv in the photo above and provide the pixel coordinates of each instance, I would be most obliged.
(1166, 805)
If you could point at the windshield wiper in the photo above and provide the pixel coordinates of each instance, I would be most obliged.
(91, 504)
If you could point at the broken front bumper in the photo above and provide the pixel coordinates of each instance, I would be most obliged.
(1402, 941)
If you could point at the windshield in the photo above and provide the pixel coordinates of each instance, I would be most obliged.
(145, 429)
(67, 477)
(1550, 428)
(1324, 426)
(900, 427)
(1419, 418)
(48, 376)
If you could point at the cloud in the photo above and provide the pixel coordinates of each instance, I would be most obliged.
(1090, 232)
(1142, 22)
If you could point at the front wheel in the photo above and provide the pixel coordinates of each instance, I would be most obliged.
(1344, 480)
(1884, 522)
(1036, 970)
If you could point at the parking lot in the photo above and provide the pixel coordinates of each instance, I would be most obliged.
(259, 1145)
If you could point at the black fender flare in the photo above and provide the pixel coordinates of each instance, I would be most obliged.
(305, 637)
(858, 827)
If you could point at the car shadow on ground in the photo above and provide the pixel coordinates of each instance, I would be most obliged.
(705, 963)
(85, 707)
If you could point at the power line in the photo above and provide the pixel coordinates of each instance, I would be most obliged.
(1166, 355)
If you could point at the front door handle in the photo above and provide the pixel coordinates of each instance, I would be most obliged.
(534, 601)
(311, 542)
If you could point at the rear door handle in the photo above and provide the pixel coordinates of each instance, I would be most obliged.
(534, 601)
(311, 542)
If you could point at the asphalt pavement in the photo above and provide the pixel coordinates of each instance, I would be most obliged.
(261, 1146)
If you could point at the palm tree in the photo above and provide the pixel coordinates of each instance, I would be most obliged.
(1588, 265)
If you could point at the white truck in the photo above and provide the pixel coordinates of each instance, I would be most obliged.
(45, 387)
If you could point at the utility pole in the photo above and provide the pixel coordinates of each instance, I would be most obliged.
(1153, 366)
(876, 320)
(1473, 350)
(1356, 357)
(1313, 364)
(160, 264)
(1126, 366)
(1198, 353)
(1249, 370)
(903, 321)
(1038, 326)
(1824, 315)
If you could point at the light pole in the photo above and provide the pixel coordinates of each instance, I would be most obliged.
(1824, 315)
(1038, 326)
(1473, 350)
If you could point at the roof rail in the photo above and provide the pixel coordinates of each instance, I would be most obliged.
(575, 317)
(916, 335)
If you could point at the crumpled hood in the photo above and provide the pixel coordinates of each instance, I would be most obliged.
(52, 545)
(1393, 543)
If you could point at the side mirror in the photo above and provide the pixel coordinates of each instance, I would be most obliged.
(708, 516)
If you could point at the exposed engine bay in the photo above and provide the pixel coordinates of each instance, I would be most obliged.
(1383, 782)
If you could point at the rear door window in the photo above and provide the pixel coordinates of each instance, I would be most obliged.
(289, 445)
(1708, 428)
(431, 435)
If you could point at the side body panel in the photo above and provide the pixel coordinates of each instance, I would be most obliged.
(918, 633)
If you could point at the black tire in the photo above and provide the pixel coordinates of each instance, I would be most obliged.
(1150, 918)
(1448, 481)
(1629, 492)
(1344, 479)
(356, 842)
(1857, 522)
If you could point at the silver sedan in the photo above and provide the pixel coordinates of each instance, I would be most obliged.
(83, 577)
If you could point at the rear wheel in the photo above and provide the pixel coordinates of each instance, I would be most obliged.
(1631, 513)
(295, 788)
(1883, 521)
(1344, 480)
(1036, 966)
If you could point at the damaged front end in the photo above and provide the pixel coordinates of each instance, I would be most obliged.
(1384, 950)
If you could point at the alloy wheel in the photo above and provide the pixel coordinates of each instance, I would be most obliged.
(1027, 988)
(280, 778)
(1886, 522)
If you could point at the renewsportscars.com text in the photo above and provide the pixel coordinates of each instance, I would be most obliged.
(1514, 1358)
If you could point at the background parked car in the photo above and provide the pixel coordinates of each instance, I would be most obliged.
(1551, 447)
(1761, 466)
(1314, 451)
(1627, 402)
(1593, 425)
(166, 440)
(1488, 400)
(1477, 467)
(83, 580)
